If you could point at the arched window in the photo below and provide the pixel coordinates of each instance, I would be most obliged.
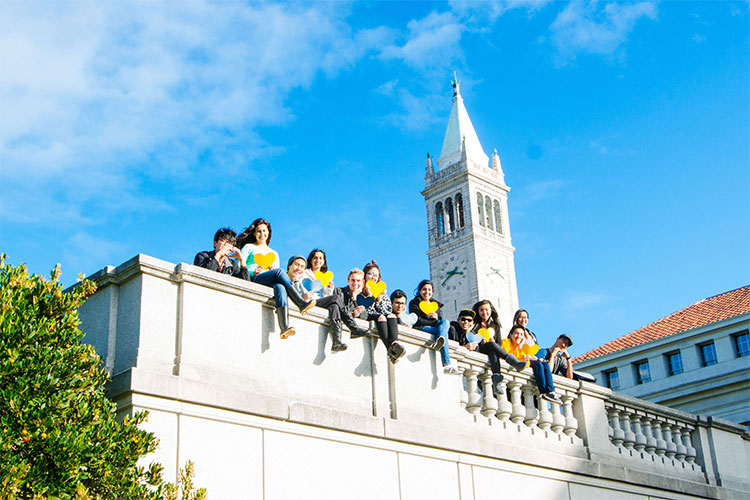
(449, 215)
(439, 218)
(488, 211)
(480, 208)
(460, 210)
(498, 217)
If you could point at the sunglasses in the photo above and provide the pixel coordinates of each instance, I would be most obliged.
(465, 319)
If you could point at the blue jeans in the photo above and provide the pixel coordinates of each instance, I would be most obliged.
(279, 281)
(441, 330)
(543, 376)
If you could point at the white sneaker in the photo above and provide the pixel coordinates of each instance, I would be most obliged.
(451, 369)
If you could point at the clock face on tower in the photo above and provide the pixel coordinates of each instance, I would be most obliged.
(453, 273)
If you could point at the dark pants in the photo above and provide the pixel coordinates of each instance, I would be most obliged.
(543, 376)
(494, 352)
(334, 305)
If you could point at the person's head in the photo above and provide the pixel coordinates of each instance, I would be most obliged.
(485, 311)
(521, 318)
(424, 290)
(372, 272)
(398, 300)
(258, 233)
(224, 236)
(517, 335)
(295, 267)
(317, 261)
(563, 342)
(355, 280)
(466, 319)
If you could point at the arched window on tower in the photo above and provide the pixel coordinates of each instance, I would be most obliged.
(480, 208)
(439, 218)
(488, 211)
(449, 215)
(498, 217)
(460, 210)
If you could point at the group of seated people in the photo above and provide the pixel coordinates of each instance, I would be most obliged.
(308, 283)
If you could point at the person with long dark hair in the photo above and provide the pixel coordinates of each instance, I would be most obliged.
(380, 310)
(430, 320)
(521, 318)
(317, 262)
(263, 265)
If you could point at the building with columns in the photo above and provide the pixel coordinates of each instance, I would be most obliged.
(470, 249)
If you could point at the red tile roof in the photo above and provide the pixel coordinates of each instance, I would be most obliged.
(710, 310)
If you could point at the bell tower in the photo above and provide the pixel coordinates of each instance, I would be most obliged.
(470, 250)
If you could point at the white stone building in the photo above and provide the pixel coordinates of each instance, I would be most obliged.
(470, 250)
(696, 359)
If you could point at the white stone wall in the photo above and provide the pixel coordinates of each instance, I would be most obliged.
(271, 419)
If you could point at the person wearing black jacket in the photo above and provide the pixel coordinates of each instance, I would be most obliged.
(221, 258)
(351, 310)
(429, 319)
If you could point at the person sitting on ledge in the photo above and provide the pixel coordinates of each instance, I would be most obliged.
(221, 258)
(380, 310)
(317, 262)
(334, 304)
(463, 329)
(559, 360)
(429, 319)
(487, 318)
(263, 266)
(516, 345)
(521, 317)
(348, 295)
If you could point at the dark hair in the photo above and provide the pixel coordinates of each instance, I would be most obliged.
(226, 233)
(371, 265)
(397, 294)
(518, 313)
(324, 267)
(468, 313)
(516, 327)
(421, 285)
(493, 314)
(567, 339)
(248, 235)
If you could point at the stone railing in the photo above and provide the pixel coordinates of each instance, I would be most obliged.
(186, 334)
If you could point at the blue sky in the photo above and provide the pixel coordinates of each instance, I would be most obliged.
(623, 129)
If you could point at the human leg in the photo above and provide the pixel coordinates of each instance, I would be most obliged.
(396, 350)
(543, 377)
(494, 347)
(333, 304)
(283, 288)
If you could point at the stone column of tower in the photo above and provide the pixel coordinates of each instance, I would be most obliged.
(470, 250)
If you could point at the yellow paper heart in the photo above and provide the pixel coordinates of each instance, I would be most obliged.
(487, 333)
(264, 261)
(376, 288)
(324, 278)
(428, 307)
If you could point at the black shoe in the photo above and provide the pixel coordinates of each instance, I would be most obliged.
(282, 314)
(338, 347)
(395, 352)
(438, 343)
(497, 378)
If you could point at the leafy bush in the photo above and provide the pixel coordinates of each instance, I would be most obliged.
(59, 435)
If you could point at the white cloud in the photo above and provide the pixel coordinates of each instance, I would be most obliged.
(98, 96)
(433, 41)
(483, 12)
(698, 38)
(584, 27)
(544, 189)
(577, 300)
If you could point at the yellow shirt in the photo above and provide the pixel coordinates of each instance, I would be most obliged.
(520, 351)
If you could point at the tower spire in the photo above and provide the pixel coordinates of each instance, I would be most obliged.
(460, 137)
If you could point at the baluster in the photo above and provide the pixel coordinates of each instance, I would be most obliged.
(614, 423)
(690, 451)
(640, 439)
(677, 438)
(464, 393)
(504, 408)
(558, 421)
(629, 439)
(532, 416)
(650, 440)
(518, 412)
(474, 405)
(489, 409)
(666, 432)
(571, 423)
(545, 417)
(661, 445)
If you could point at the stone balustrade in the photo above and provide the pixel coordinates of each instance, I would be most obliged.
(194, 346)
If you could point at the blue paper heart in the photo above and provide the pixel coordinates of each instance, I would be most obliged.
(365, 301)
(474, 338)
(312, 285)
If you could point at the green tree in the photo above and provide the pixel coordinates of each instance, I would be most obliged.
(59, 435)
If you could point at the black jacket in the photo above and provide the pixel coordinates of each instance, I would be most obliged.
(231, 266)
(422, 319)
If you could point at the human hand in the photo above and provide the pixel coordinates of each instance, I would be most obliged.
(472, 346)
(358, 310)
(308, 295)
(330, 285)
(259, 270)
(433, 315)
